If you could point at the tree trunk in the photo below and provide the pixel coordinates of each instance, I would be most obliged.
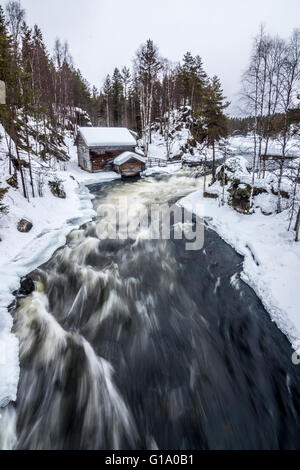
(214, 162)
(19, 161)
(294, 197)
(204, 182)
(29, 161)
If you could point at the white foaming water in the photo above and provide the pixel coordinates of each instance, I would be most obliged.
(45, 344)
(8, 436)
(33, 312)
(234, 281)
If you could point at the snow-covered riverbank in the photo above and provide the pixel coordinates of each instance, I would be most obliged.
(271, 257)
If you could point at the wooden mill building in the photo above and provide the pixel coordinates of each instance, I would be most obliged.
(99, 146)
(129, 164)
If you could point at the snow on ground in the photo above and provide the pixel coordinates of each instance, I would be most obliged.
(245, 144)
(271, 257)
(169, 169)
(157, 149)
(20, 253)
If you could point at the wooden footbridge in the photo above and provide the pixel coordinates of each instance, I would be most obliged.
(153, 161)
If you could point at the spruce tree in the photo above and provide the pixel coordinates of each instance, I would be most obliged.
(117, 97)
(107, 99)
(212, 122)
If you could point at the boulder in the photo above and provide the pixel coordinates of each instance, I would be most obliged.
(237, 164)
(235, 167)
(240, 195)
(24, 226)
(27, 286)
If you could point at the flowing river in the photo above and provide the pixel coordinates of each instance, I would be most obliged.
(139, 344)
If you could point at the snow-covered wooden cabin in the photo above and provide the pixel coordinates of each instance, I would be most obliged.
(129, 164)
(99, 146)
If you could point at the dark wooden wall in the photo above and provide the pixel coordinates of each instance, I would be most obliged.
(102, 160)
(130, 165)
(98, 158)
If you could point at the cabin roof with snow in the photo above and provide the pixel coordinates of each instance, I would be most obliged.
(125, 156)
(107, 136)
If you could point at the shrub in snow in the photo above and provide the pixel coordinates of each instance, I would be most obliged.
(57, 188)
(13, 181)
(16, 163)
(3, 207)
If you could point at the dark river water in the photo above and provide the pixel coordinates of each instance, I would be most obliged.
(138, 344)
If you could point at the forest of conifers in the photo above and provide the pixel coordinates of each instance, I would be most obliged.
(47, 97)
(47, 85)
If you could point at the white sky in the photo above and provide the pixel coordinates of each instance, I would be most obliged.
(104, 34)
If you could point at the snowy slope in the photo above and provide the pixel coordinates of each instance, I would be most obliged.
(157, 149)
(246, 144)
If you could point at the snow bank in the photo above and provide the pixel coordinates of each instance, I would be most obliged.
(245, 144)
(271, 258)
(169, 169)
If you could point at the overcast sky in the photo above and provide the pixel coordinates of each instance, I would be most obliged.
(104, 34)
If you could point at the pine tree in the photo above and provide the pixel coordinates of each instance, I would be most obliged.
(11, 74)
(193, 81)
(107, 98)
(117, 97)
(212, 122)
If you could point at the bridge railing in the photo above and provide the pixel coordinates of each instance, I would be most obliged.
(154, 161)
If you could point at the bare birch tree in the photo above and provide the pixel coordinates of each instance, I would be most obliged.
(169, 82)
(147, 67)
